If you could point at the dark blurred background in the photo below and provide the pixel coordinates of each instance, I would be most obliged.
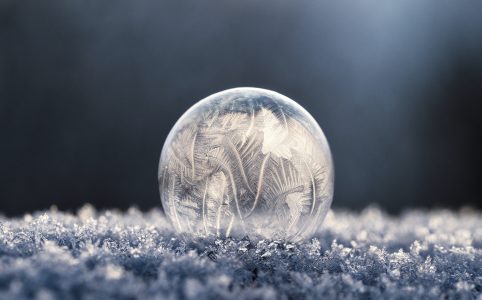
(89, 90)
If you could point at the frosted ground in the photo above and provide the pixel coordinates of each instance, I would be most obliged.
(102, 255)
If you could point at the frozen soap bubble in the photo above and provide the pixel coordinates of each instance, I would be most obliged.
(246, 161)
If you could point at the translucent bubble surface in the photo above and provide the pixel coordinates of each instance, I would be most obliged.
(246, 161)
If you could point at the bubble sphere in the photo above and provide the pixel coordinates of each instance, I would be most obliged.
(246, 162)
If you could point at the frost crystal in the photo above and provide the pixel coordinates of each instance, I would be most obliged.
(243, 162)
(113, 255)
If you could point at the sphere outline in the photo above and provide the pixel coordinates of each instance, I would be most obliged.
(246, 161)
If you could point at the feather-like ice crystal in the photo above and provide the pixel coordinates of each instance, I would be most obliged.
(246, 161)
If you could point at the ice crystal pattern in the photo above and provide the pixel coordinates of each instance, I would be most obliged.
(246, 161)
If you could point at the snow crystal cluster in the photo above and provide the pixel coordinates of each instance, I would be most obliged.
(107, 255)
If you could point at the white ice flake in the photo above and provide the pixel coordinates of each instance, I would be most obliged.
(114, 255)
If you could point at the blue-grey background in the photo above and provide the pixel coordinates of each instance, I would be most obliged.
(90, 89)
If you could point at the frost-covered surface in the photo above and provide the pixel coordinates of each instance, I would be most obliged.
(136, 255)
